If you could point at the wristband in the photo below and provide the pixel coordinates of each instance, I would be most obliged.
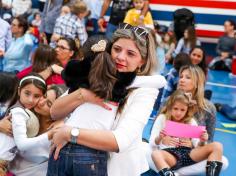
(80, 96)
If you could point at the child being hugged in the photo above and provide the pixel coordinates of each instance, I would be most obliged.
(133, 15)
(174, 153)
(24, 123)
(96, 72)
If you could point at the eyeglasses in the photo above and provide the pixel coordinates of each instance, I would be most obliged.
(138, 30)
(62, 47)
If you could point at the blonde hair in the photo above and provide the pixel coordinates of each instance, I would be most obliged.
(198, 78)
(78, 7)
(178, 96)
(146, 47)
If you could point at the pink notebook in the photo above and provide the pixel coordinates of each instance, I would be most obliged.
(176, 129)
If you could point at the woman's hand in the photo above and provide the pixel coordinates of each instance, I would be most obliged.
(171, 141)
(52, 128)
(5, 125)
(90, 97)
(57, 124)
(60, 138)
(185, 142)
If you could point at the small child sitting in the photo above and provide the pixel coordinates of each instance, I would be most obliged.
(133, 15)
(174, 152)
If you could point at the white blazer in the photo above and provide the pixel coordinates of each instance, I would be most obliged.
(129, 125)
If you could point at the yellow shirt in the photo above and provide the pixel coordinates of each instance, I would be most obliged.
(133, 15)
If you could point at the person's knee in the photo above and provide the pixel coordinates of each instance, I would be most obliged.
(217, 147)
(156, 154)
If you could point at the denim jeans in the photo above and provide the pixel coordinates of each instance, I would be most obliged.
(1, 64)
(110, 30)
(77, 160)
(95, 26)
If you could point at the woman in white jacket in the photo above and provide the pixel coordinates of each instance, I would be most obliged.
(133, 49)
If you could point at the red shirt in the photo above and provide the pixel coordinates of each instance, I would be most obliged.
(52, 79)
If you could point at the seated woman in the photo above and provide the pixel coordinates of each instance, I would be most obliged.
(225, 48)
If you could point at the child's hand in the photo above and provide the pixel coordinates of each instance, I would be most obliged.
(56, 68)
(56, 124)
(204, 136)
(171, 141)
(185, 142)
(162, 134)
(1, 53)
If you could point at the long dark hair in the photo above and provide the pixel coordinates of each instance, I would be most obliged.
(192, 39)
(43, 57)
(202, 64)
(8, 88)
(97, 70)
(72, 45)
(102, 74)
(37, 83)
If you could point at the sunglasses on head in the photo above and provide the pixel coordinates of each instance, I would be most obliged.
(138, 30)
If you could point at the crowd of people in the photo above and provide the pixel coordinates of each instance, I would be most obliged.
(75, 102)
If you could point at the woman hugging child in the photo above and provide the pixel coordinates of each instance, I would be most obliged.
(30, 89)
(96, 72)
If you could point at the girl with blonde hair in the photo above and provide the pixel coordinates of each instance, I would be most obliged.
(176, 152)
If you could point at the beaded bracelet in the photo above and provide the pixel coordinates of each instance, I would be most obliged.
(80, 96)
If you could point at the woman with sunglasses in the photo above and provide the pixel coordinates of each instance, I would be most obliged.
(133, 50)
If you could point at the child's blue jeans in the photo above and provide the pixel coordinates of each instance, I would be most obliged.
(77, 160)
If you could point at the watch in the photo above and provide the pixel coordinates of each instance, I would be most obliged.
(74, 134)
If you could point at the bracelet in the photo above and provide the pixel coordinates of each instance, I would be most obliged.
(202, 143)
(80, 96)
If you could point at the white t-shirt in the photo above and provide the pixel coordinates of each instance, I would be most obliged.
(7, 145)
(91, 116)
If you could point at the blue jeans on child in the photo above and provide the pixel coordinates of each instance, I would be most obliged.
(78, 160)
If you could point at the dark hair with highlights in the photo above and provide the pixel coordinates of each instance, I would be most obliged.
(102, 74)
(43, 57)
